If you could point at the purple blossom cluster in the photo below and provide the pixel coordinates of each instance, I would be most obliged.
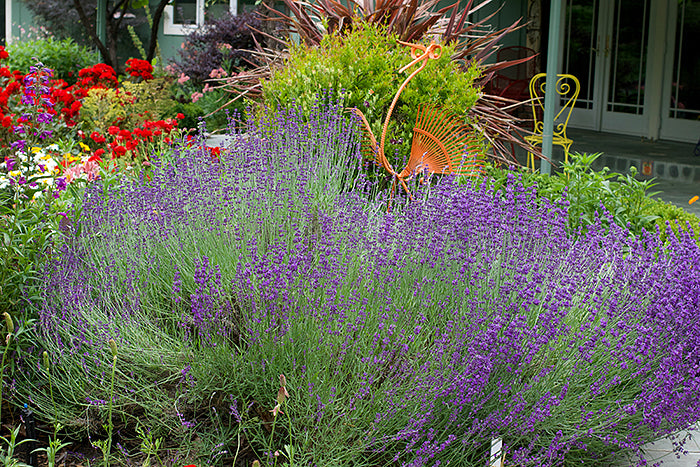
(39, 105)
(420, 335)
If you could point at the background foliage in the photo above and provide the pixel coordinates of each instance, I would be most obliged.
(64, 57)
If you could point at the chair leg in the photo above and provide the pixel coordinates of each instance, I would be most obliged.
(530, 159)
(566, 152)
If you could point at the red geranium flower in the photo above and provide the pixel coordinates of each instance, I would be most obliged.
(139, 68)
(119, 151)
(97, 156)
(96, 137)
(124, 135)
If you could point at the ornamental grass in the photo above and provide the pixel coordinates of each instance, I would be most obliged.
(410, 338)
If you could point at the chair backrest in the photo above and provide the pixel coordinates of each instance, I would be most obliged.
(521, 71)
(567, 88)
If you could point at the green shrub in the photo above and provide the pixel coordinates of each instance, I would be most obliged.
(128, 106)
(361, 68)
(672, 217)
(64, 57)
(590, 193)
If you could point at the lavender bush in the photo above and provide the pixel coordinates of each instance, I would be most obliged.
(408, 338)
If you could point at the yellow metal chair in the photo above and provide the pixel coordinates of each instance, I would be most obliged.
(567, 89)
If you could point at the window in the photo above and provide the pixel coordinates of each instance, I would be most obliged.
(182, 17)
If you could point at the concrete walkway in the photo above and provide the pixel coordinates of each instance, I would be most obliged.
(662, 451)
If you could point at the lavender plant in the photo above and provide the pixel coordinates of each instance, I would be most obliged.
(412, 338)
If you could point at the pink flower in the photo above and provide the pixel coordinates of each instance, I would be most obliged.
(196, 96)
(218, 73)
(92, 170)
(183, 78)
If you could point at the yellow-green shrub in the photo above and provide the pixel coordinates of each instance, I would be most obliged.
(361, 67)
(128, 106)
(673, 217)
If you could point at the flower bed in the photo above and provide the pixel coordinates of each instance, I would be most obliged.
(406, 338)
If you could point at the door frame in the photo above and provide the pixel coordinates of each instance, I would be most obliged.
(676, 129)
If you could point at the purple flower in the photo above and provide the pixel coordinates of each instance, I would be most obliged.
(60, 183)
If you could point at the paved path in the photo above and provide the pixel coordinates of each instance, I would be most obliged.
(662, 451)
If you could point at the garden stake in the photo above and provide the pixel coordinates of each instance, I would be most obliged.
(30, 428)
(439, 140)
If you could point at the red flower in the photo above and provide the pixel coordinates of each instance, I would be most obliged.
(124, 134)
(139, 68)
(180, 116)
(3, 53)
(119, 151)
(113, 130)
(7, 121)
(96, 137)
(13, 86)
(97, 156)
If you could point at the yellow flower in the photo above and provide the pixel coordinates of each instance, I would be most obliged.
(84, 147)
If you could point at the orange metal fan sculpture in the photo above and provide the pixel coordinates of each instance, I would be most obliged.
(440, 142)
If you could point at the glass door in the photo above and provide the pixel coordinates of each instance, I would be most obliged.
(680, 119)
(605, 47)
(626, 54)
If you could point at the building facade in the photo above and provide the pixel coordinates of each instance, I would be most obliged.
(637, 60)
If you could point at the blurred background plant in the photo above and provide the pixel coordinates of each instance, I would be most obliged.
(472, 46)
(63, 56)
(221, 48)
(76, 20)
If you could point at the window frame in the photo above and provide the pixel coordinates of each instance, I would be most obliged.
(170, 28)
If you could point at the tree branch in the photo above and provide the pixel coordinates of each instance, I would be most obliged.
(91, 32)
(157, 15)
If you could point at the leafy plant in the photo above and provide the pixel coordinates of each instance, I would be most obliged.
(473, 44)
(672, 219)
(591, 196)
(361, 68)
(7, 454)
(64, 57)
